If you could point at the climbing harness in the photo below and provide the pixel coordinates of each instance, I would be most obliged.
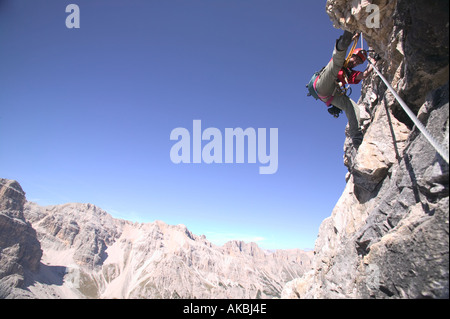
(439, 148)
(312, 90)
(328, 98)
(344, 88)
(334, 111)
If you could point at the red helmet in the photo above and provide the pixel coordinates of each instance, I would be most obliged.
(362, 54)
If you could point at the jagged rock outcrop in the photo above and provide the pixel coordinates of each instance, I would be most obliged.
(388, 236)
(20, 251)
(86, 253)
(83, 228)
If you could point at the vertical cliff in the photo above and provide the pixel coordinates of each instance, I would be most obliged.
(20, 251)
(388, 236)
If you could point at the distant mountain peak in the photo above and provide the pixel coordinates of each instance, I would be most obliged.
(86, 253)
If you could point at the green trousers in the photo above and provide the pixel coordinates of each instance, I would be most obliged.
(326, 86)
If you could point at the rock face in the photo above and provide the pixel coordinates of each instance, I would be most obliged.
(388, 236)
(86, 253)
(20, 251)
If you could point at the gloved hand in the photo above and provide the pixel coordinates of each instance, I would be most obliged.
(376, 57)
(333, 110)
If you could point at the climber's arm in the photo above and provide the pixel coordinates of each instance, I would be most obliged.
(367, 72)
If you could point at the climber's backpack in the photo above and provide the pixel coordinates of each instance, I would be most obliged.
(310, 86)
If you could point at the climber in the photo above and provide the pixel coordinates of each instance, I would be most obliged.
(329, 85)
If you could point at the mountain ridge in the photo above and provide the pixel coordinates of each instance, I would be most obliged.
(87, 253)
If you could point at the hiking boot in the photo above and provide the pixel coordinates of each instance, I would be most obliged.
(344, 41)
(356, 141)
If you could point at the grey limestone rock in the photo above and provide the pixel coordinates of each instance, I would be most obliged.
(387, 237)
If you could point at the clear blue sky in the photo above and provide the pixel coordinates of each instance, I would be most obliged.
(86, 114)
